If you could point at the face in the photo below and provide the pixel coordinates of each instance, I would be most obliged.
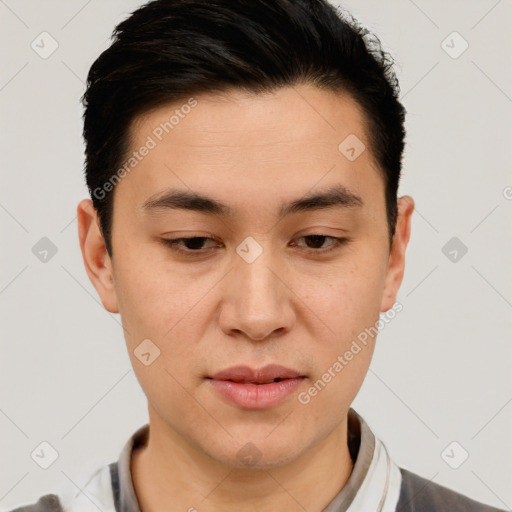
(287, 262)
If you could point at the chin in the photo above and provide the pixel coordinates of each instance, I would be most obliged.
(256, 454)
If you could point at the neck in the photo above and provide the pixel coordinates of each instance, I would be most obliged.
(170, 474)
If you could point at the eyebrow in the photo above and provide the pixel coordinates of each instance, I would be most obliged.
(334, 197)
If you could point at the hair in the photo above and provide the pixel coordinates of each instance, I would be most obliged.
(167, 50)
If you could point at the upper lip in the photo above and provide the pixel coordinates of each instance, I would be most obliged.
(257, 375)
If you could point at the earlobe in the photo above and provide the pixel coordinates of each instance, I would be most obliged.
(95, 256)
(396, 264)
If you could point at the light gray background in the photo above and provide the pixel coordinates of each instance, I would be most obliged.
(441, 370)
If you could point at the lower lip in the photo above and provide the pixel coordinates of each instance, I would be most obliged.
(256, 396)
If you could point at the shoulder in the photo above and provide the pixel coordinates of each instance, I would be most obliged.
(97, 495)
(46, 503)
(417, 494)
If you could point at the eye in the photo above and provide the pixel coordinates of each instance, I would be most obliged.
(319, 239)
(192, 244)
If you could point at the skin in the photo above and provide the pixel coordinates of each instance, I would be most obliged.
(290, 306)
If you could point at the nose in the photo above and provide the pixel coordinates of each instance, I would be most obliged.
(257, 301)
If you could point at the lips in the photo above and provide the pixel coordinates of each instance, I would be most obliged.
(250, 388)
(265, 375)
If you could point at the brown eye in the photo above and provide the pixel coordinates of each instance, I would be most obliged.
(316, 241)
(190, 245)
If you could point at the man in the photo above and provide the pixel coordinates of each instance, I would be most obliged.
(243, 159)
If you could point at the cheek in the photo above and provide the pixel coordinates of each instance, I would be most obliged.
(171, 308)
(153, 295)
(348, 297)
(350, 307)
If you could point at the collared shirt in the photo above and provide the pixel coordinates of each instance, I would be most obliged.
(376, 483)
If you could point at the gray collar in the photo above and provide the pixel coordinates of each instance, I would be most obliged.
(361, 442)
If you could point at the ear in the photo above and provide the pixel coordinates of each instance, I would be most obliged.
(396, 263)
(97, 262)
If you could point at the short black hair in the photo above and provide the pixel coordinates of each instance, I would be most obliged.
(168, 50)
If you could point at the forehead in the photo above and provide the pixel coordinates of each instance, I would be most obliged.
(237, 118)
(243, 147)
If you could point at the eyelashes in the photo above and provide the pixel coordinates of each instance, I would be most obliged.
(182, 245)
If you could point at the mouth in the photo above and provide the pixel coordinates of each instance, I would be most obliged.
(277, 379)
(251, 388)
(266, 375)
